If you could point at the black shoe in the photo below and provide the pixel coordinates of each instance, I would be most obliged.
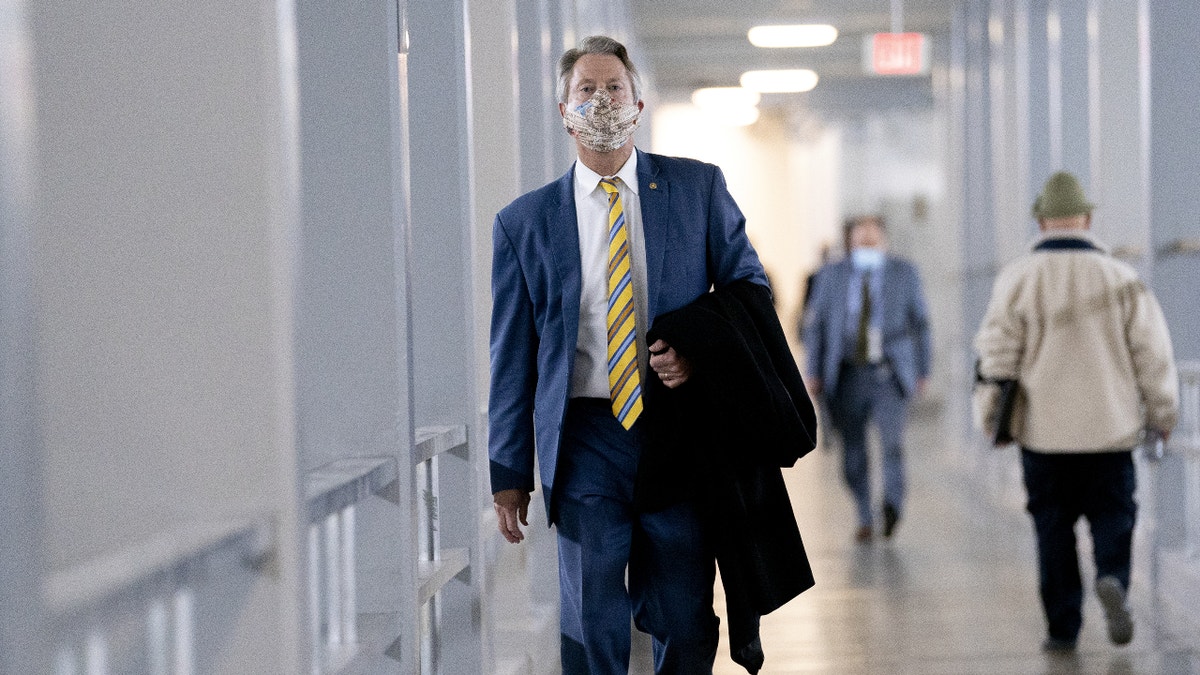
(1056, 646)
(863, 534)
(890, 518)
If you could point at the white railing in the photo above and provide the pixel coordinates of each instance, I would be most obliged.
(133, 611)
(332, 493)
(1178, 558)
(1185, 441)
(436, 566)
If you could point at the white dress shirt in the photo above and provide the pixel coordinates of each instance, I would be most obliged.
(590, 376)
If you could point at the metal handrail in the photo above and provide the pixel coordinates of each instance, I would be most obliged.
(1186, 437)
(157, 578)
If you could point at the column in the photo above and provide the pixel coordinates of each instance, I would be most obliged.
(442, 153)
(1009, 95)
(1173, 129)
(1043, 156)
(1118, 142)
(978, 206)
(1070, 102)
(507, 624)
(562, 37)
(352, 320)
(1174, 139)
(22, 648)
(951, 93)
(537, 62)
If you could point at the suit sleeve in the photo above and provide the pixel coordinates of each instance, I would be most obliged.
(813, 325)
(513, 349)
(918, 318)
(730, 255)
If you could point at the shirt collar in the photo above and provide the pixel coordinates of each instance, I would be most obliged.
(1080, 235)
(586, 180)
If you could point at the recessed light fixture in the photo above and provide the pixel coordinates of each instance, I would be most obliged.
(779, 81)
(802, 35)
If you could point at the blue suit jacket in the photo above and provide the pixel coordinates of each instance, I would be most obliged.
(905, 323)
(695, 238)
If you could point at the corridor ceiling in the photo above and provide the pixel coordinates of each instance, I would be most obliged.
(686, 44)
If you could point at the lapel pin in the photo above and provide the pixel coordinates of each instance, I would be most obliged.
(654, 186)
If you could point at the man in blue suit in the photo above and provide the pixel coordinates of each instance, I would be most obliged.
(620, 239)
(866, 334)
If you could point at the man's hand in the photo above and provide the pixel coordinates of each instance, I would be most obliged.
(815, 386)
(671, 368)
(512, 507)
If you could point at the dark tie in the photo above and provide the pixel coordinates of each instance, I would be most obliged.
(862, 346)
(624, 384)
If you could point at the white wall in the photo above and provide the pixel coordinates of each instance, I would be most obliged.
(22, 648)
(166, 166)
(786, 186)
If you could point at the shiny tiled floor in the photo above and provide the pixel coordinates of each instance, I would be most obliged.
(954, 592)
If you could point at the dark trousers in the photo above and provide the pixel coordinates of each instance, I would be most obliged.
(865, 393)
(1061, 488)
(602, 538)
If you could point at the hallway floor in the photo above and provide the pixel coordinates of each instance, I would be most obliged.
(954, 592)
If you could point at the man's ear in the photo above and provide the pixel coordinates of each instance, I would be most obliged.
(562, 112)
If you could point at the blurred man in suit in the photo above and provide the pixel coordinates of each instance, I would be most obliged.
(866, 334)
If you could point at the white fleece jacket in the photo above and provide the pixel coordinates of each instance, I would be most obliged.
(1088, 342)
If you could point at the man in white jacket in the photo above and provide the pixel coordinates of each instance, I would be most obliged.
(1087, 341)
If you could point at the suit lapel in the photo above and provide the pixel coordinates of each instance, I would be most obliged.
(888, 288)
(841, 295)
(561, 231)
(655, 195)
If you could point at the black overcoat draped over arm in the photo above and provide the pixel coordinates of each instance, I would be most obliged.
(721, 439)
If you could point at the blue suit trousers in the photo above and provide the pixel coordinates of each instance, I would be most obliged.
(864, 393)
(602, 539)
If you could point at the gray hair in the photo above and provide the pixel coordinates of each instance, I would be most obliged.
(596, 44)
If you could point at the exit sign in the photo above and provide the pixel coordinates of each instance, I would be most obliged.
(896, 54)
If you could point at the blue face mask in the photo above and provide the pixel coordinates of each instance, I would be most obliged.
(867, 258)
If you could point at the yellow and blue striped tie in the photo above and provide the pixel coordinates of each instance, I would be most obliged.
(624, 383)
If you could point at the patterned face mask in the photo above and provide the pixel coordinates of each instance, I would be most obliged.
(600, 123)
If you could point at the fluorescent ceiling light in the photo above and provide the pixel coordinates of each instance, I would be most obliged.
(779, 81)
(725, 98)
(804, 35)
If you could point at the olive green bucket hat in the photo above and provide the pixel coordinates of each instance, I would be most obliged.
(1061, 196)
